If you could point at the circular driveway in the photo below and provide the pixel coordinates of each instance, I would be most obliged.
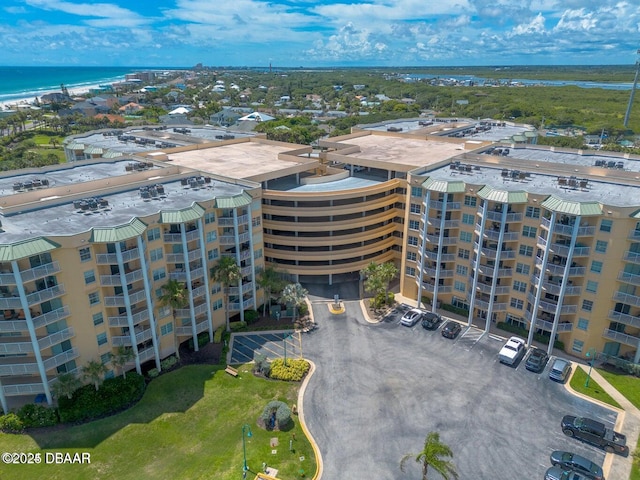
(380, 389)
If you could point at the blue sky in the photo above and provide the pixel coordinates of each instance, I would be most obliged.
(312, 33)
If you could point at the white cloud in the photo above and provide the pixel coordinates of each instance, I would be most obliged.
(536, 25)
(111, 15)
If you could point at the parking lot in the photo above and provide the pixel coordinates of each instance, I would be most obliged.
(379, 389)
(244, 346)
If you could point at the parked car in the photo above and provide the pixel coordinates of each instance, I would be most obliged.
(430, 321)
(537, 360)
(560, 370)
(596, 433)
(512, 351)
(451, 329)
(410, 318)
(577, 463)
(557, 473)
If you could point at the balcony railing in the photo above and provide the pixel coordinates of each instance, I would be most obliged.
(125, 340)
(56, 338)
(198, 309)
(112, 258)
(634, 235)
(627, 298)
(46, 294)
(12, 326)
(199, 291)
(40, 271)
(230, 239)
(111, 280)
(23, 389)
(629, 278)
(118, 300)
(443, 273)
(244, 254)
(625, 318)
(445, 240)
(228, 221)
(632, 257)
(621, 337)
(441, 289)
(14, 348)
(10, 302)
(497, 216)
(548, 326)
(235, 306)
(560, 270)
(177, 237)
(438, 205)
(7, 279)
(123, 320)
(61, 358)
(51, 317)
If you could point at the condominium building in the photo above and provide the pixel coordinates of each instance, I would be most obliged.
(86, 249)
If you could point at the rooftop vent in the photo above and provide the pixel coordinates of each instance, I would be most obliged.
(90, 204)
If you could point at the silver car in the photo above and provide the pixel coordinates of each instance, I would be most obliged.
(560, 370)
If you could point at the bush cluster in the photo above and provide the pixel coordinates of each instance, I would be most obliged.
(523, 332)
(203, 339)
(237, 326)
(294, 371)
(282, 415)
(11, 423)
(87, 403)
(169, 362)
(217, 335)
(250, 316)
(453, 309)
(32, 415)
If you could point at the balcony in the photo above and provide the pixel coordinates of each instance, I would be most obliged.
(629, 278)
(179, 275)
(123, 321)
(9, 302)
(552, 307)
(441, 289)
(125, 340)
(548, 326)
(111, 280)
(445, 240)
(486, 288)
(55, 338)
(198, 309)
(627, 299)
(631, 257)
(634, 235)
(13, 326)
(7, 278)
(625, 318)
(40, 271)
(621, 337)
(444, 257)
(15, 348)
(51, 317)
(246, 288)
(46, 294)
(231, 239)
(491, 271)
(493, 254)
(438, 205)
(497, 216)
(235, 306)
(565, 250)
(560, 270)
(484, 305)
(199, 291)
(246, 271)
(177, 237)
(228, 221)
(23, 389)
(112, 258)
(443, 273)
(119, 301)
(60, 359)
(195, 254)
(146, 354)
(244, 254)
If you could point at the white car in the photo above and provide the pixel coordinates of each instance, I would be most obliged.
(410, 318)
(512, 351)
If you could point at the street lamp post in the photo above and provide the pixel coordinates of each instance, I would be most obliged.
(591, 355)
(244, 449)
(284, 341)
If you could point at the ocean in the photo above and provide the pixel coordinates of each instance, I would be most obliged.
(26, 82)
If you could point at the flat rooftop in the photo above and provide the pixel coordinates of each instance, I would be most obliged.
(238, 160)
(61, 218)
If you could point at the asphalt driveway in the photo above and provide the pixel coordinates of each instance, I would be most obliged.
(379, 389)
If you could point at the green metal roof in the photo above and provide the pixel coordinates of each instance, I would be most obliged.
(112, 154)
(572, 208)
(93, 150)
(188, 214)
(502, 196)
(519, 138)
(240, 200)
(443, 186)
(75, 146)
(33, 246)
(117, 234)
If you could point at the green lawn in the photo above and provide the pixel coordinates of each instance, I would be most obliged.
(593, 390)
(188, 425)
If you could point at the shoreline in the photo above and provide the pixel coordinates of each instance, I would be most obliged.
(15, 104)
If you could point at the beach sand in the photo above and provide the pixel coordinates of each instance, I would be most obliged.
(28, 101)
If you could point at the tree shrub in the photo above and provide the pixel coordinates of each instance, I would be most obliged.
(153, 373)
(33, 415)
(294, 371)
(237, 326)
(114, 395)
(454, 309)
(11, 423)
(168, 362)
(250, 316)
(217, 336)
(275, 416)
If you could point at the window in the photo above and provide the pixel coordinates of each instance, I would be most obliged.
(94, 298)
(164, 311)
(159, 292)
(105, 358)
(468, 219)
(85, 254)
(155, 254)
(89, 277)
(213, 254)
(255, 221)
(463, 253)
(596, 267)
(416, 191)
(212, 236)
(577, 346)
(159, 274)
(414, 225)
(465, 236)
(415, 208)
(605, 225)
(459, 286)
(209, 217)
(519, 286)
(523, 268)
(216, 288)
(410, 271)
(98, 319)
(592, 287)
(526, 251)
(101, 338)
(517, 303)
(217, 305)
(411, 256)
(166, 329)
(258, 253)
(587, 305)
(583, 324)
(462, 270)
(153, 234)
(532, 212)
(470, 201)
(601, 247)
(413, 241)
(529, 232)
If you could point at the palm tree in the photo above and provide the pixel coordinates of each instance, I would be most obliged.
(176, 296)
(270, 279)
(387, 272)
(66, 385)
(293, 294)
(122, 356)
(93, 371)
(433, 455)
(227, 273)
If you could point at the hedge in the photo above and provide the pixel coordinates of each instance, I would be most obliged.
(523, 332)
(294, 371)
(33, 415)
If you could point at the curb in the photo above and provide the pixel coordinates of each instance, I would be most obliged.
(303, 425)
